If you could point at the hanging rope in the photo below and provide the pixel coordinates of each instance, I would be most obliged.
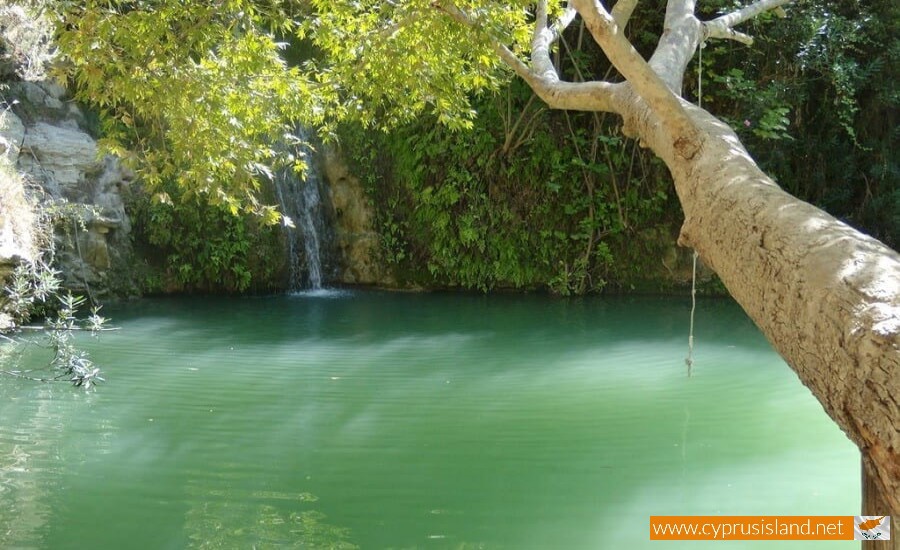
(689, 360)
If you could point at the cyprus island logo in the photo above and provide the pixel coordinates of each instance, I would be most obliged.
(872, 527)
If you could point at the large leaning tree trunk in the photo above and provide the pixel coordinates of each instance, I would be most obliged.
(825, 295)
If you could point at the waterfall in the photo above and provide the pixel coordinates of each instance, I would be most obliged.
(306, 230)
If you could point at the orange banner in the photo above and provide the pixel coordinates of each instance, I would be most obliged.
(751, 527)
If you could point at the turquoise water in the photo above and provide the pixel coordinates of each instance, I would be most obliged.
(377, 420)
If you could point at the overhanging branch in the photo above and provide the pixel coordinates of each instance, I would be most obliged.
(506, 55)
(544, 36)
(642, 78)
(722, 27)
(579, 96)
(582, 96)
(622, 11)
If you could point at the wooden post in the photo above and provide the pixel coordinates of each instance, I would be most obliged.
(874, 504)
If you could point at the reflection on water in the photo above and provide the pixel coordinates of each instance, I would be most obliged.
(414, 421)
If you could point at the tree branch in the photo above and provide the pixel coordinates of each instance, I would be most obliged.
(544, 36)
(506, 55)
(622, 11)
(640, 76)
(580, 96)
(390, 30)
(565, 20)
(540, 23)
(748, 12)
(721, 27)
(540, 44)
(679, 40)
(731, 34)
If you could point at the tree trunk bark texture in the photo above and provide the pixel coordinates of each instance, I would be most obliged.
(825, 295)
(872, 501)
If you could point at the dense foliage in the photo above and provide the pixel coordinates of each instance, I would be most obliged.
(202, 247)
(815, 100)
(193, 93)
(197, 94)
(508, 204)
(531, 198)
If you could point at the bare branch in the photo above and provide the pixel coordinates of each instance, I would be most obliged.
(730, 34)
(677, 11)
(540, 23)
(721, 27)
(540, 44)
(580, 96)
(544, 36)
(565, 20)
(640, 76)
(679, 40)
(622, 11)
(748, 12)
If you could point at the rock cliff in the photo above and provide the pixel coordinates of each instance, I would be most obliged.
(356, 240)
(44, 138)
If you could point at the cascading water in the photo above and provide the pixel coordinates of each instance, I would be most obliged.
(306, 231)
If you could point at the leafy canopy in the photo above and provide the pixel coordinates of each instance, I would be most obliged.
(192, 92)
(200, 93)
(394, 60)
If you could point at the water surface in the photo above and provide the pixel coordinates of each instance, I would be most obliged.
(341, 420)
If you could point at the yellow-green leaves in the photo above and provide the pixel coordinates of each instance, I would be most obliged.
(393, 60)
(198, 90)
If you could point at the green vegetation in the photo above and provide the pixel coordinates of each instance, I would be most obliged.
(190, 93)
(815, 100)
(506, 204)
(204, 247)
(33, 291)
(474, 183)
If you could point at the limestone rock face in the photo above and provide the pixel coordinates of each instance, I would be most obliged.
(355, 237)
(16, 222)
(43, 138)
(16, 215)
(12, 134)
(57, 155)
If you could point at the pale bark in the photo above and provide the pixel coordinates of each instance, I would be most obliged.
(825, 295)
(543, 38)
(639, 75)
(677, 43)
(622, 11)
(576, 96)
(723, 27)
